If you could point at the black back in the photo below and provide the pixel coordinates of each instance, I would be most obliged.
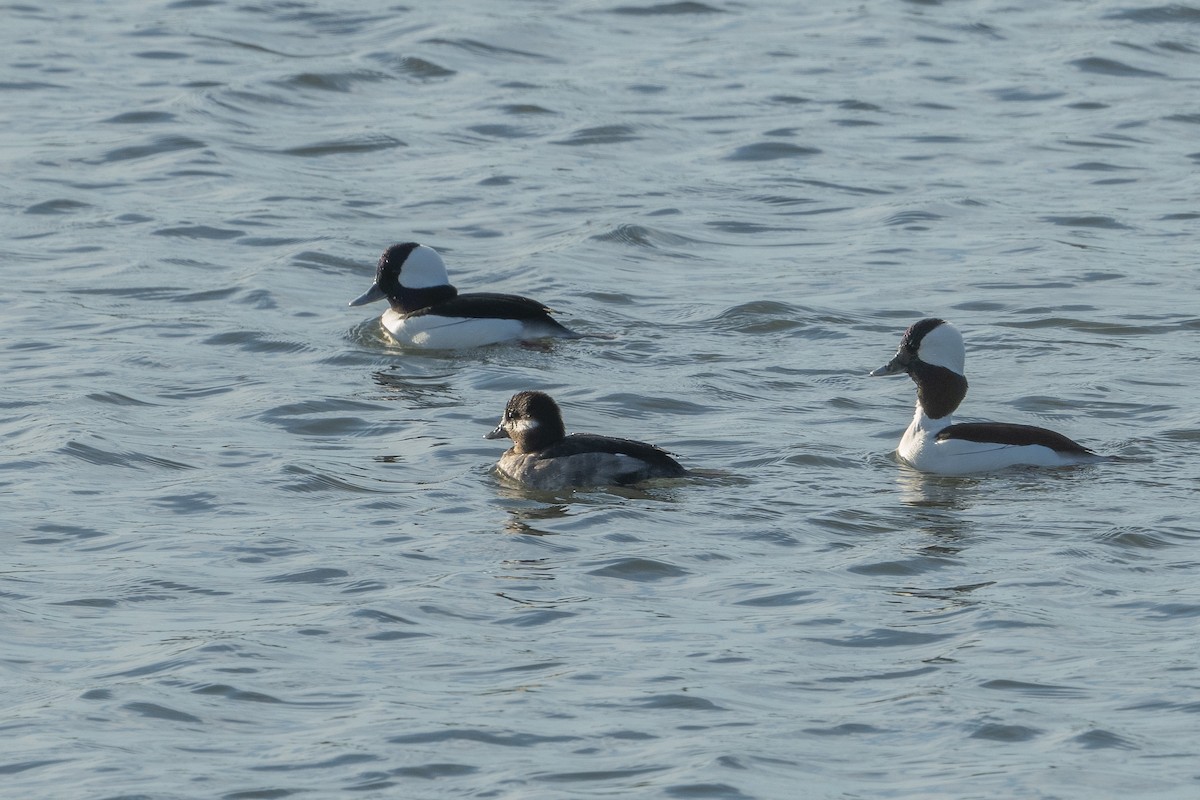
(1012, 434)
(483, 305)
(580, 443)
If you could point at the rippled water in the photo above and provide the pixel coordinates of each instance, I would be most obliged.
(255, 551)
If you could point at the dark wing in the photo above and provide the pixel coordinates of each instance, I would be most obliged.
(488, 305)
(1009, 434)
(659, 464)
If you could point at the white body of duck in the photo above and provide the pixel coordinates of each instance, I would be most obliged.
(932, 354)
(427, 312)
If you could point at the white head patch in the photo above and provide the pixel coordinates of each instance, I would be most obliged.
(943, 347)
(423, 268)
(522, 425)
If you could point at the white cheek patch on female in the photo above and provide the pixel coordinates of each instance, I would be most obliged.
(522, 425)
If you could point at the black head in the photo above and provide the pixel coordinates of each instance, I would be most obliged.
(410, 265)
(392, 261)
(411, 276)
(931, 353)
(910, 346)
(532, 420)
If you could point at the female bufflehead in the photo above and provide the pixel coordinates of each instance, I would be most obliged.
(544, 457)
(932, 354)
(428, 312)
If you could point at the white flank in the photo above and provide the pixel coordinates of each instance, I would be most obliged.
(450, 333)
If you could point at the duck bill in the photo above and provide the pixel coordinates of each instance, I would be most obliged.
(369, 296)
(893, 367)
(498, 432)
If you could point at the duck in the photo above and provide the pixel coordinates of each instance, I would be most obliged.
(428, 312)
(932, 354)
(544, 457)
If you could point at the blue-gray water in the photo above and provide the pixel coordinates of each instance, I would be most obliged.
(254, 551)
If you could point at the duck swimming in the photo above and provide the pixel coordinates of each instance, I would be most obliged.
(932, 354)
(544, 457)
(427, 312)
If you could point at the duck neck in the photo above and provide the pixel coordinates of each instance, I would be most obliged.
(407, 300)
(939, 390)
(538, 437)
(924, 425)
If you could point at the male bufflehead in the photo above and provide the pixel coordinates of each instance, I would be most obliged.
(932, 354)
(428, 312)
(544, 457)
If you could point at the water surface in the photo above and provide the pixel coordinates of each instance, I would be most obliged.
(255, 550)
